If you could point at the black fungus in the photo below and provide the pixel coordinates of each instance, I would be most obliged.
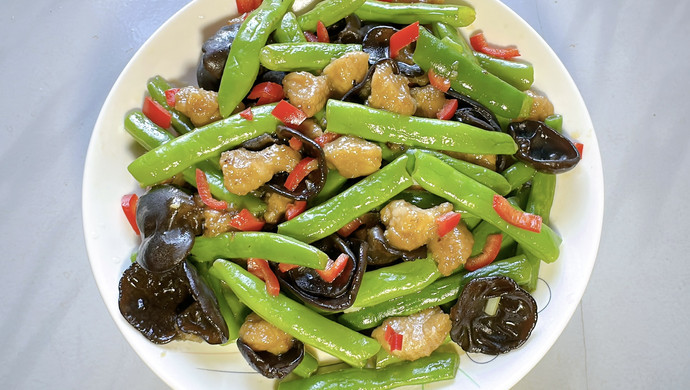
(476, 331)
(347, 30)
(542, 147)
(271, 365)
(473, 113)
(376, 43)
(214, 55)
(167, 305)
(168, 219)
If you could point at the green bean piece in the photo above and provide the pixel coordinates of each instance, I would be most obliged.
(242, 65)
(263, 245)
(468, 78)
(434, 175)
(484, 230)
(420, 198)
(327, 12)
(296, 319)
(442, 30)
(384, 358)
(307, 56)
(441, 291)
(518, 174)
(234, 323)
(516, 73)
(369, 193)
(157, 87)
(307, 367)
(555, 122)
(150, 136)
(173, 157)
(384, 126)
(407, 13)
(289, 30)
(334, 183)
(396, 280)
(439, 366)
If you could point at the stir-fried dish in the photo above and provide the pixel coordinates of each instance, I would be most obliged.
(359, 180)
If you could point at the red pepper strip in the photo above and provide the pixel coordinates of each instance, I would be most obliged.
(129, 206)
(289, 114)
(170, 96)
(246, 221)
(447, 222)
(479, 44)
(295, 144)
(516, 217)
(403, 38)
(322, 33)
(489, 253)
(295, 209)
(310, 37)
(349, 227)
(333, 268)
(580, 147)
(157, 113)
(448, 109)
(393, 338)
(327, 137)
(205, 192)
(261, 269)
(302, 169)
(267, 92)
(439, 82)
(247, 114)
(247, 5)
(285, 267)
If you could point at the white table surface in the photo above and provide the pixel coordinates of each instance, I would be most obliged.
(58, 60)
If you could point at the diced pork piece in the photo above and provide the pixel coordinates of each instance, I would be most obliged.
(353, 156)
(347, 71)
(216, 222)
(200, 105)
(276, 205)
(422, 333)
(390, 91)
(452, 250)
(429, 100)
(261, 335)
(307, 92)
(541, 106)
(310, 128)
(408, 227)
(245, 171)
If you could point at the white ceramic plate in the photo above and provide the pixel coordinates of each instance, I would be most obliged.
(173, 52)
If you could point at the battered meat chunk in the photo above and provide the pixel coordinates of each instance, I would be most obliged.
(390, 91)
(261, 335)
(199, 105)
(422, 333)
(276, 205)
(452, 250)
(353, 156)
(347, 71)
(245, 171)
(429, 100)
(408, 227)
(307, 92)
(541, 106)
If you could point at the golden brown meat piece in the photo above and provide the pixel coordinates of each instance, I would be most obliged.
(390, 91)
(452, 250)
(245, 171)
(429, 100)
(199, 105)
(483, 160)
(541, 106)
(408, 227)
(261, 335)
(353, 156)
(422, 333)
(276, 205)
(216, 222)
(347, 71)
(307, 92)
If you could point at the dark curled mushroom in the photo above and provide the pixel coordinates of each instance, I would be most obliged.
(474, 330)
(337, 295)
(214, 53)
(382, 253)
(347, 30)
(376, 43)
(169, 220)
(271, 365)
(542, 147)
(169, 305)
(473, 113)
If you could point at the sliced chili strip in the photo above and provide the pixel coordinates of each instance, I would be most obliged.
(267, 92)
(157, 113)
(403, 38)
(437, 81)
(580, 147)
(129, 207)
(393, 338)
(285, 267)
(448, 110)
(170, 96)
(295, 144)
(302, 169)
(247, 114)
(516, 217)
(334, 268)
(246, 6)
(447, 222)
(289, 114)
(349, 227)
(310, 37)
(325, 138)
(489, 253)
(322, 33)
(479, 44)
(261, 269)
(205, 192)
(295, 209)
(246, 221)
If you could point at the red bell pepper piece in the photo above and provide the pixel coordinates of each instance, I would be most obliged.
(489, 253)
(244, 6)
(295, 144)
(157, 113)
(350, 227)
(267, 92)
(310, 37)
(479, 44)
(516, 217)
(129, 207)
(170, 96)
(448, 109)
(322, 33)
(302, 169)
(402, 38)
(580, 147)
(247, 114)
(325, 138)
(437, 81)
(261, 269)
(447, 222)
(246, 221)
(289, 114)
(205, 192)
(285, 267)
(333, 268)
(295, 209)
(393, 338)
